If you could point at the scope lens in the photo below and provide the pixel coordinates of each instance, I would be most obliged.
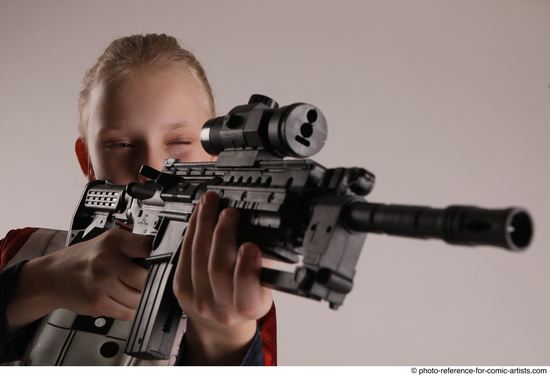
(298, 130)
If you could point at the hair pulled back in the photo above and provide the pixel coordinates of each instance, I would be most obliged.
(123, 58)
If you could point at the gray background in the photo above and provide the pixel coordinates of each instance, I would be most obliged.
(446, 101)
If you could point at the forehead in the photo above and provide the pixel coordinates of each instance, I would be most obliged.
(150, 97)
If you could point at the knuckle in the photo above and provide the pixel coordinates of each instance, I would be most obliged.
(221, 230)
(96, 269)
(246, 308)
(108, 237)
(202, 307)
(111, 239)
(216, 270)
(225, 317)
(206, 221)
(227, 224)
(100, 279)
(181, 291)
(223, 234)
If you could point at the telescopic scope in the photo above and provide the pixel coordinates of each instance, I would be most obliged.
(298, 130)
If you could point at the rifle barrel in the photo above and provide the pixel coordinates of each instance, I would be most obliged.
(510, 228)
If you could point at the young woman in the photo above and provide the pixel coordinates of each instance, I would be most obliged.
(145, 100)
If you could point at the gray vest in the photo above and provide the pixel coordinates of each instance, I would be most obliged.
(55, 340)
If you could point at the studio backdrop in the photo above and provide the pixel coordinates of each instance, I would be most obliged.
(446, 102)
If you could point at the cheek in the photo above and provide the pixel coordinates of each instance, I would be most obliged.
(191, 153)
(198, 154)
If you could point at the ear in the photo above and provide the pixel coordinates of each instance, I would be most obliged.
(84, 158)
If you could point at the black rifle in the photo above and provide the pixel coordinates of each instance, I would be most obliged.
(296, 210)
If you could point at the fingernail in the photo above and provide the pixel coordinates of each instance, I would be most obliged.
(205, 207)
(209, 199)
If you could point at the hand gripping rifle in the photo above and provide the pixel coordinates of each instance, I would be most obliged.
(296, 210)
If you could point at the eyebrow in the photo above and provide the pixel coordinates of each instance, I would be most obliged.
(117, 126)
(181, 124)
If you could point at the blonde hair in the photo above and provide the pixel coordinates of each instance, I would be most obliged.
(123, 58)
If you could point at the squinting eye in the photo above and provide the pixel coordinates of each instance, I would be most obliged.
(119, 145)
(180, 143)
(124, 145)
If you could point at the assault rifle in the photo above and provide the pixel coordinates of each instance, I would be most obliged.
(296, 210)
